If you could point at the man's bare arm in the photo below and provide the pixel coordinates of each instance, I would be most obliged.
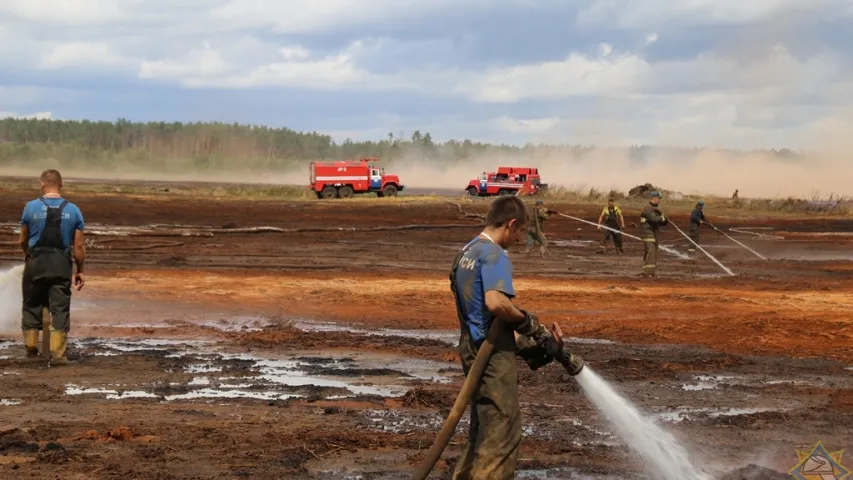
(502, 307)
(25, 238)
(79, 250)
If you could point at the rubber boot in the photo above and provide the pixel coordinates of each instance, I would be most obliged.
(58, 342)
(31, 342)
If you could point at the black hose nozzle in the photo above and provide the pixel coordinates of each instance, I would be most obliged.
(571, 362)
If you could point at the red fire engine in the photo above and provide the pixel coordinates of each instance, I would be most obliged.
(508, 181)
(345, 178)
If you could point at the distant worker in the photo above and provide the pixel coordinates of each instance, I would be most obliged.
(481, 282)
(651, 219)
(697, 219)
(734, 195)
(611, 217)
(536, 232)
(51, 234)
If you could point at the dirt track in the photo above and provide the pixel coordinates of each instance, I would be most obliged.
(327, 354)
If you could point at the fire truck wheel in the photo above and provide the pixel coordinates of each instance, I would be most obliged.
(345, 192)
(390, 191)
(329, 192)
(503, 192)
(472, 191)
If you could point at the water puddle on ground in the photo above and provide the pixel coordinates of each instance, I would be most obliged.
(215, 373)
(450, 337)
(694, 413)
(219, 322)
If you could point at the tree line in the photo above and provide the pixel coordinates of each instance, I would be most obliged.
(213, 145)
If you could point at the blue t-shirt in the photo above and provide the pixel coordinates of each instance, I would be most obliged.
(35, 213)
(485, 266)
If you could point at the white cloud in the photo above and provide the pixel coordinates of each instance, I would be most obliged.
(37, 115)
(752, 89)
(64, 12)
(82, 55)
(197, 64)
(686, 13)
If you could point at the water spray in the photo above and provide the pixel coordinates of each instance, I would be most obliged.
(665, 249)
(742, 245)
(725, 268)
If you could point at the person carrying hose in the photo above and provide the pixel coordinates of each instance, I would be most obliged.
(697, 219)
(651, 219)
(611, 217)
(536, 232)
(51, 234)
(481, 282)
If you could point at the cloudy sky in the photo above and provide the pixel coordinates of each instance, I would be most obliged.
(728, 73)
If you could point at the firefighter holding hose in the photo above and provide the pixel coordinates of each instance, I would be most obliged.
(697, 219)
(481, 282)
(51, 235)
(536, 232)
(651, 219)
(611, 217)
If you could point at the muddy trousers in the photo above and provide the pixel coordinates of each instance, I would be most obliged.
(494, 436)
(617, 238)
(536, 238)
(650, 256)
(693, 233)
(55, 294)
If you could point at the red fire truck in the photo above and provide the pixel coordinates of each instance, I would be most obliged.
(345, 178)
(508, 181)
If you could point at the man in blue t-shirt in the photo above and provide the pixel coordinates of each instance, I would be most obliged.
(51, 235)
(481, 281)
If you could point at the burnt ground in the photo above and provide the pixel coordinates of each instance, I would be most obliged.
(330, 354)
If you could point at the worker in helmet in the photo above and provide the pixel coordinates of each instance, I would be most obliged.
(697, 219)
(611, 217)
(651, 219)
(536, 233)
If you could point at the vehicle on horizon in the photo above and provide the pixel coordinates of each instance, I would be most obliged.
(343, 179)
(508, 181)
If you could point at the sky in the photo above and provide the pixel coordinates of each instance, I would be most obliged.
(706, 73)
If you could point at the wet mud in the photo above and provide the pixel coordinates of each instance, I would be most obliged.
(332, 355)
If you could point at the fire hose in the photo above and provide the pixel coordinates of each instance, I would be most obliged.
(572, 363)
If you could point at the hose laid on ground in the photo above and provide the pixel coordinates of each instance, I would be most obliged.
(665, 249)
(742, 245)
(725, 268)
(462, 400)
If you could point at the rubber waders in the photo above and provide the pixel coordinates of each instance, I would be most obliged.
(462, 400)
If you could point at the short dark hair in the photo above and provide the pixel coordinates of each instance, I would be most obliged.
(610, 200)
(51, 177)
(506, 208)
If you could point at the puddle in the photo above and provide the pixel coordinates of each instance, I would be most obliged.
(684, 413)
(242, 375)
(562, 473)
(572, 243)
(450, 337)
(405, 422)
(222, 323)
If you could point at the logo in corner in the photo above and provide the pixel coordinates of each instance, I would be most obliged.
(820, 464)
